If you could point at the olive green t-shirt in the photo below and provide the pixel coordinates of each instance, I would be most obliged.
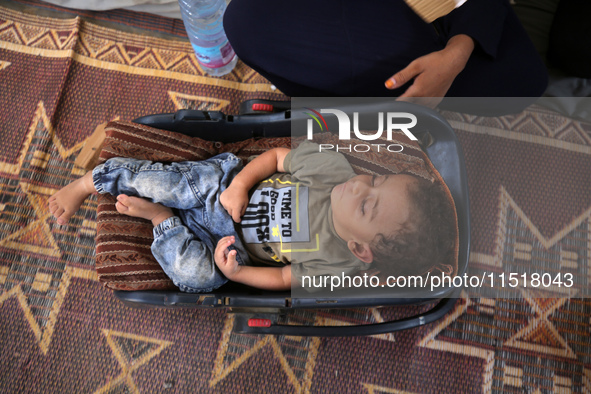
(289, 216)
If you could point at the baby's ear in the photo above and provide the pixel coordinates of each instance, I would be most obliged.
(361, 250)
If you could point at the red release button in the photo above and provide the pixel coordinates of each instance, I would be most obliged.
(259, 323)
(262, 107)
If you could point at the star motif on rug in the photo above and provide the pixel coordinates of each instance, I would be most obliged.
(540, 335)
(296, 355)
(131, 352)
(37, 273)
(512, 331)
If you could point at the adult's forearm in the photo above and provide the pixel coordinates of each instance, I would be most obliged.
(460, 48)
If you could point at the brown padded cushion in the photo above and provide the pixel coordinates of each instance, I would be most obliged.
(123, 257)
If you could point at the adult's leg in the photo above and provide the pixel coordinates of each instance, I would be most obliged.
(329, 47)
(349, 48)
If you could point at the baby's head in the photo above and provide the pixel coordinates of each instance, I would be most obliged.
(399, 220)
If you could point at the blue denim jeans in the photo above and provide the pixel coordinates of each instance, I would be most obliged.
(184, 245)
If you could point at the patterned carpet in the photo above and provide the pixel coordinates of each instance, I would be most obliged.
(62, 331)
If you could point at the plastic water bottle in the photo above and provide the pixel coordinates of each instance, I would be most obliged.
(203, 21)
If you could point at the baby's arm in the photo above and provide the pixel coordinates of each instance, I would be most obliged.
(266, 278)
(235, 198)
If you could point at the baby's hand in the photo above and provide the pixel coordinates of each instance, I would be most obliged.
(225, 258)
(234, 200)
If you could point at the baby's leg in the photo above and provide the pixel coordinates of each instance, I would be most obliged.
(68, 199)
(186, 256)
(142, 208)
(182, 185)
(157, 182)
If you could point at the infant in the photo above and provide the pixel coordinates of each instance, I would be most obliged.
(286, 214)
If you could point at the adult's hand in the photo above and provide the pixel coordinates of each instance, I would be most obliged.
(433, 73)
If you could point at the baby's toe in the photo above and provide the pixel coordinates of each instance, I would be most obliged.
(133, 201)
(123, 199)
(62, 217)
(121, 208)
(58, 212)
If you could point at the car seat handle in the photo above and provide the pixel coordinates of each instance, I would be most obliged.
(243, 323)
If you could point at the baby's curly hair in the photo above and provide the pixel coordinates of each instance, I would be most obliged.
(427, 238)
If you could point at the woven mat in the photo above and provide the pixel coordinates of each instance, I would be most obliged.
(61, 331)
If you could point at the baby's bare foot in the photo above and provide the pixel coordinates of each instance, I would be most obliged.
(67, 201)
(142, 208)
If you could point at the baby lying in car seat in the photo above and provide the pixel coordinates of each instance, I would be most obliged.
(287, 212)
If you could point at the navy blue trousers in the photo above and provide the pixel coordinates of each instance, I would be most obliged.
(350, 47)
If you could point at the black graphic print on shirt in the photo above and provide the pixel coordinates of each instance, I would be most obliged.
(277, 215)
